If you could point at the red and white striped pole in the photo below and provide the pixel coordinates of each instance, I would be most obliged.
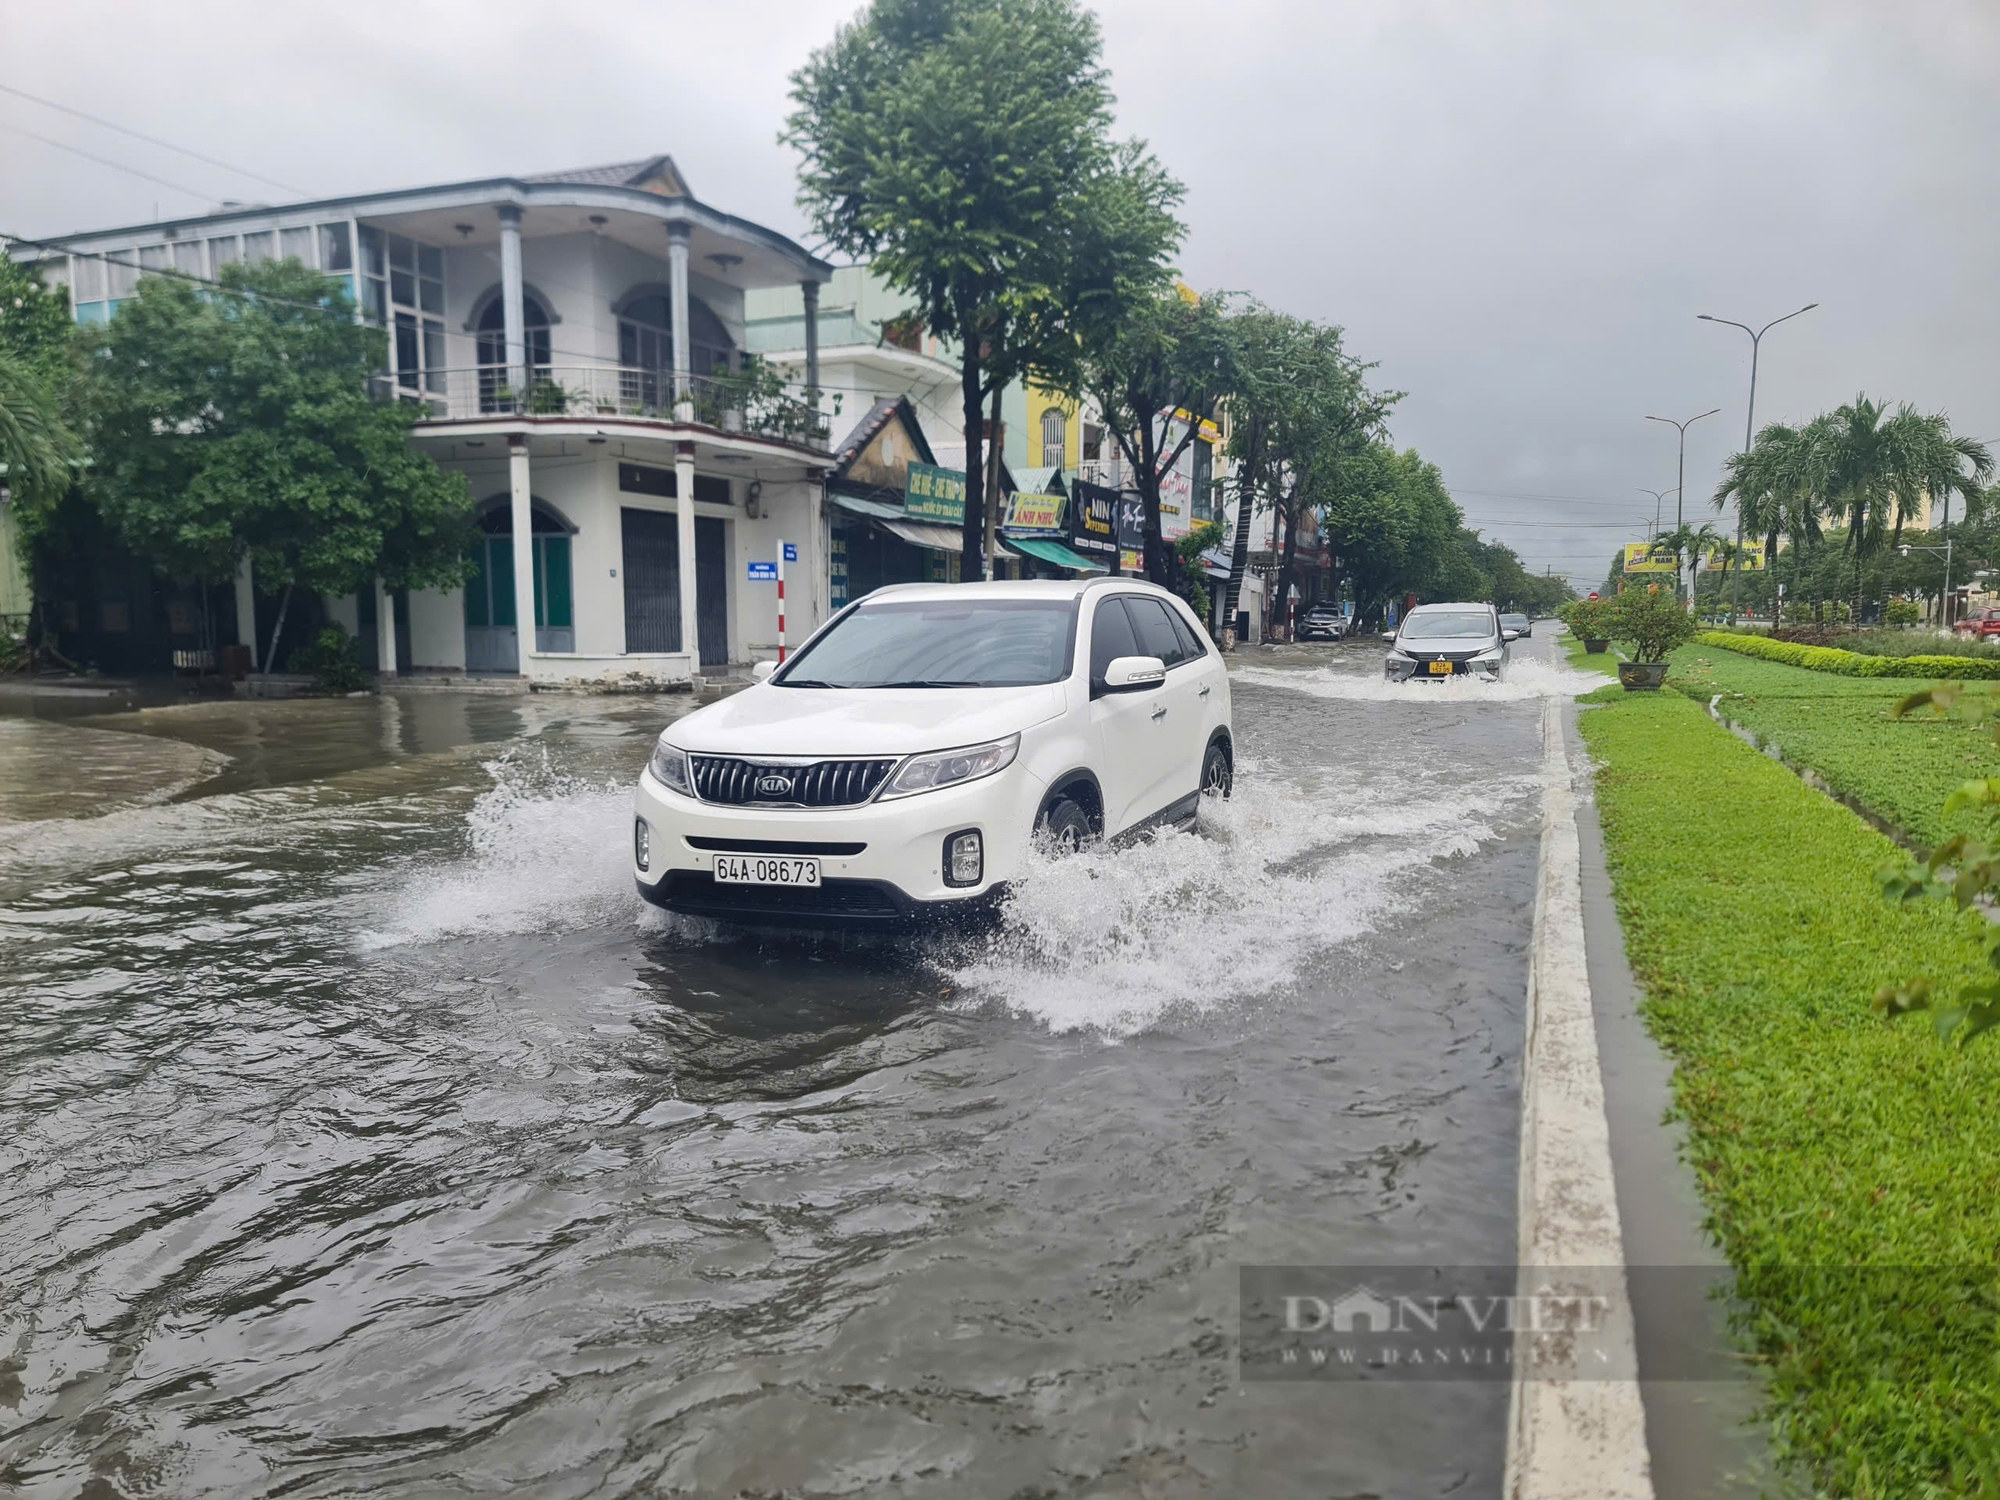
(781, 601)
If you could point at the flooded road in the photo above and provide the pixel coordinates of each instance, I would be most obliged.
(361, 1132)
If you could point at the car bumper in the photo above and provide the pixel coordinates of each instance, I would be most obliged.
(882, 864)
(1420, 671)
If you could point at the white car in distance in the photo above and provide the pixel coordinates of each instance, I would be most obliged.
(898, 766)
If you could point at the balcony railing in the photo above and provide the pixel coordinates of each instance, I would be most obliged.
(751, 401)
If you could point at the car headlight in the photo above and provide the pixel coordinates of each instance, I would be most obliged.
(1396, 655)
(669, 766)
(1493, 654)
(942, 768)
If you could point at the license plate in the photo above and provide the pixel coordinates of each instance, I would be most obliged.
(765, 869)
(1440, 669)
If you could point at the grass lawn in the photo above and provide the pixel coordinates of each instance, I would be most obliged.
(1901, 770)
(1824, 1139)
(1604, 661)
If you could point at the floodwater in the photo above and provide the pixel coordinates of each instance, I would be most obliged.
(361, 1133)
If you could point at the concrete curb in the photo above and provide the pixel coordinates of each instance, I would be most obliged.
(1568, 1439)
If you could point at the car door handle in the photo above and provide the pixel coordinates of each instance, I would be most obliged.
(1204, 692)
(1160, 713)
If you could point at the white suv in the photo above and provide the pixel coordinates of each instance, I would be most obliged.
(900, 763)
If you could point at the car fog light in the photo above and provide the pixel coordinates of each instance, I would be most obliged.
(964, 858)
(642, 844)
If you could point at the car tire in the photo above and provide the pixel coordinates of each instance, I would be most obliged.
(1217, 775)
(1067, 826)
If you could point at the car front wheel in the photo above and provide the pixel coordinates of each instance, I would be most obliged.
(1067, 826)
(1216, 775)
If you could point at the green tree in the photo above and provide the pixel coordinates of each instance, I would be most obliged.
(238, 423)
(1873, 470)
(38, 416)
(1170, 354)
(964, 147)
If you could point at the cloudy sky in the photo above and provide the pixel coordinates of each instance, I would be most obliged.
(1517, 206)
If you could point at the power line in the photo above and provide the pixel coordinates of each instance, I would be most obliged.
(104, 161)
(151, 140)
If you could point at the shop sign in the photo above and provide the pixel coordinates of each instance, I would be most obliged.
(934, 494)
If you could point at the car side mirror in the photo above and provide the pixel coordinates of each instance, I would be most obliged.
(762, 671)
(1388, 635)
(1510, 635)
(1134, 674)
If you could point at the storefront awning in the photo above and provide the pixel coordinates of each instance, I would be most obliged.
(875, 510)
(923, 534)
(1052, 551)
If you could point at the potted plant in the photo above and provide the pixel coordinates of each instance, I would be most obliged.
(1655, 622)
(1589, 621)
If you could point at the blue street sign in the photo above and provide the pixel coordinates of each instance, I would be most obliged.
(764, 572)
(791, 553)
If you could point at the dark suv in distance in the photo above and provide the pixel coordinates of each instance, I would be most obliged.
(1518, 623)
(1323, 622)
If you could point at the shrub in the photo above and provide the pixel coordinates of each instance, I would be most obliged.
(1903, 612)
(333, 659)
(1587, 619)
(1852, 663)
(1652, 620)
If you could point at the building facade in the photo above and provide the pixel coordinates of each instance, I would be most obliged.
(576, 343)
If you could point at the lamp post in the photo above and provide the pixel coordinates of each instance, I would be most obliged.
(1750, 414)
(1659, 499)
(1680, 486)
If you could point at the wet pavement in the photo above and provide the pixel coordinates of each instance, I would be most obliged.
(361, 1133)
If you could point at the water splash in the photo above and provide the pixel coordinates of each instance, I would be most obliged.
(1525, 681)
(546, 851)
(1112, 940)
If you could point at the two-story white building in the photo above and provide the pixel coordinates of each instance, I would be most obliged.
(575, 341)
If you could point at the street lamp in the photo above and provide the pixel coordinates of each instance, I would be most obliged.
(1680, 486)
(1659, 499)
(1750, 415)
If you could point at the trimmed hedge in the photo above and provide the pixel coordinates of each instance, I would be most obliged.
(1850, 663)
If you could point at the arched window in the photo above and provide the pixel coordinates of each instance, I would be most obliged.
(491, 332)
(646, 346)
(1054, 426)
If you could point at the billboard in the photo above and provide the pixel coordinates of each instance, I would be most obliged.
(1093, 517)
(1644, 557)
(1749, 559)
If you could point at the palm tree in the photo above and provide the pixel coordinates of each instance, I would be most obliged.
(1688, 543)
(37, 446)
(1875, 470)
(1774, 495)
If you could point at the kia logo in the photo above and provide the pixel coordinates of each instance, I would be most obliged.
(774, 786)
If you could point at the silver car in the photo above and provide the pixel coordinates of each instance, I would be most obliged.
(1436, 641)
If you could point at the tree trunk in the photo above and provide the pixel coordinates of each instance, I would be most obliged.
(990, 538)
(1290, 513)
(271, 651)
(1151, 546)
(1239, 551)
(972, 531)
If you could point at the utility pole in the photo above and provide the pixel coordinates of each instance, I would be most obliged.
(1749, 418)
(1680, 487)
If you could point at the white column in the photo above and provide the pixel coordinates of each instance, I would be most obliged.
(524, 551)
(385, 630)
(511, 302)
(677, 297)
(246, 608)
(684, 508)
(811, 291)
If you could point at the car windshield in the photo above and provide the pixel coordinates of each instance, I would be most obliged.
(943, 643)
(1447, 624)
(1513, 619)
